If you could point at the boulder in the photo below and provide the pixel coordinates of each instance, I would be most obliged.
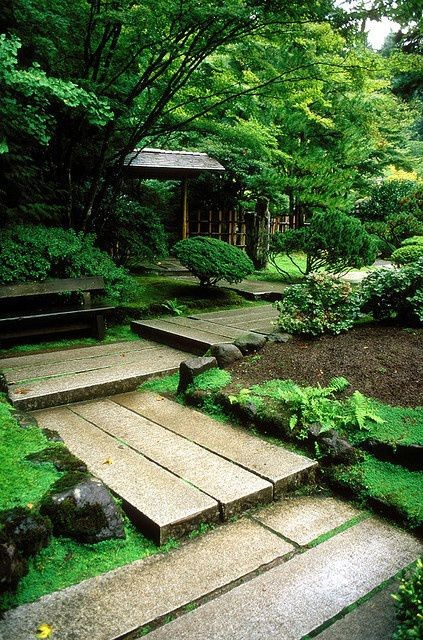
(279, 337)
(12, 565)
(189, 369)
(28, 531)
(250, 342)
(85, 512)
(334, 446)
(225, 354)
(24, 419)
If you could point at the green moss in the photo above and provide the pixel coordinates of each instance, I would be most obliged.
(65, 562)
(60, 457)
(212, 380)
(21, 482)
(167, 384)
(391, 483)
(401, 425)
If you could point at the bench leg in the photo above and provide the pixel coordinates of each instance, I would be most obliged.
(99, 328)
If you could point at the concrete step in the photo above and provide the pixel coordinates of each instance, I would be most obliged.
(295, 598)
(189, 337)
(259, 319)
(231, 486)
(119, 602)
(161, 504)
(38, 383)
(285, 470)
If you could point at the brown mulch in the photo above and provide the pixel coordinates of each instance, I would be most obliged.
(382, 362)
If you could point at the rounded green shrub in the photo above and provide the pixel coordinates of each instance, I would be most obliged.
(323, 304)
(211, 260)
(35, 252)
(407, 254)
(394, 293)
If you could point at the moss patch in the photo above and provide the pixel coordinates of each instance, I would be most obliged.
(212, 380)
(401, 425)
(167, 384)
(392, 484)
(21, 482)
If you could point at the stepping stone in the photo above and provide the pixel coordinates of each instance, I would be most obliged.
(303, 519)
(233, 487)
(161, 504)
(119, 602)
(297, 597)
(285, 470)
(115, 378)
(191, 338)
(260, 319)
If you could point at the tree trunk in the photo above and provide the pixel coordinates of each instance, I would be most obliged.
(257, 233)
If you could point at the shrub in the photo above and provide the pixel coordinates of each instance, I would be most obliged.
(333, 241)
(322, 304)
(410, 606)
(407, 254)
(29, 253)
(397, 293)
(390, 198)
(413, 240)
(400, 226)
(211, 260)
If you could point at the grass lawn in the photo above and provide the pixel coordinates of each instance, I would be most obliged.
(271, 274)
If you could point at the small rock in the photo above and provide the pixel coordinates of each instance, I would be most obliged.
(12, 566)
(24, 420)
(85, 512)
(250, 342)
(337, 448)
(225, 354)
(189, 369)
(30, 532)
(279, 337)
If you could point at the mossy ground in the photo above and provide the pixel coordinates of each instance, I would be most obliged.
(401, 425)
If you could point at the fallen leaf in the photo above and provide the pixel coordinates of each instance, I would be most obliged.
(108, 461)
(22, 391)
(30, 505)
(44, 631)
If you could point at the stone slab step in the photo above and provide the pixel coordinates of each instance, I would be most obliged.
(297, 597)
(260, 319)
(230, 333)
(189, 338)
(234, 488)
(161, 504)
(73, 387)
(285, 470)
(116, 603)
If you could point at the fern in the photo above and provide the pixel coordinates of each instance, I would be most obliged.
(363, 410)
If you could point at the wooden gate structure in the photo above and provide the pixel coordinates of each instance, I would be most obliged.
(223, 225)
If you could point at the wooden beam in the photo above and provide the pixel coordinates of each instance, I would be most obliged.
(185, 222)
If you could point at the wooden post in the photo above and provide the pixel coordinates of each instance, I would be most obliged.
(185, 222)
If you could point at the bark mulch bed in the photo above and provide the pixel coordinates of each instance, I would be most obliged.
(382, 362)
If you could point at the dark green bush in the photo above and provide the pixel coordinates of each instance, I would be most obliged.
(409, 601)
(394, 293)
(400, 226)
(391, 197)
(322, 304)
(211, 260)
(31, 253)
(333, 241)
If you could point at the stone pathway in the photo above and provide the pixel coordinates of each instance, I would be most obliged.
(58, 377)
(250, 580)
(196, 333)
(174, 467)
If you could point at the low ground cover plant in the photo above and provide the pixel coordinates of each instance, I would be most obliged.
(211, 260)
(322, 304)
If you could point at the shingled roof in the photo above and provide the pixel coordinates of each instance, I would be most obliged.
(160, 163)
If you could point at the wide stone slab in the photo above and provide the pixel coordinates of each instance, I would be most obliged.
(303, 519)
(282, 468)
(118, 602)
(233, 487)
(45, 357)
(221, 330)
(375, 619)
(192, 339)
(161, 504)
(41, 393)
(295, 598)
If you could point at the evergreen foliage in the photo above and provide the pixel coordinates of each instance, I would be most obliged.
(211, 260)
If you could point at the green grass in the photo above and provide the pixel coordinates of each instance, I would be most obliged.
(166, 384)
(272, 275)
(391, 483)
(65, 562)
(21, 482)
(118, 333)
